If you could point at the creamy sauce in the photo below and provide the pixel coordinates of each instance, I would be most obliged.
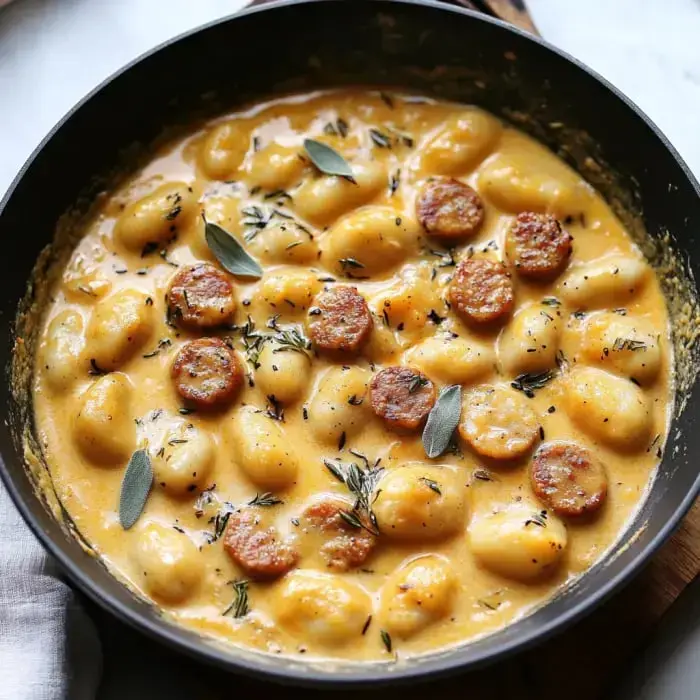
(251, 160)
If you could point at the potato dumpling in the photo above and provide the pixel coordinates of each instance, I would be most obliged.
(261, 449)
(275, 167)
(223, 149)
(417, 595)
(283, 373)
(373, 238)
(284, 242)
(498, 422)
(462, 143)
(520, 541)
(120, 325)
(529, 343)
(323, 198)
(452, 360)
(339, 404)
(62, 348)
(167, 561)
(419, 501)
(156, 217)
(612, 279)
(104, 429)
(320, 607)
(185, 461)
(626, 345)
(608, 407)
(289, 292)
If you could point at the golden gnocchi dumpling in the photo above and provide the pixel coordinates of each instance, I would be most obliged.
(156, 217)
(223, 149)
(608, 407)
(275, 167)
(461, 144)
(338, 404)
(283, 373)
(104, 428)
(420, 502)
(417, 595)
(184, 461)
(320, 607)
(323, 198)
(453, 360)
(284, 242)
(610, 280)
(519, 541)
(289, 292)
(62, 348)
(119, 326)
(627, 345)
(261, 449)
(167, 563)
(529, 343)
(368, 241)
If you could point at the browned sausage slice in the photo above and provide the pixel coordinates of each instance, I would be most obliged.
(207, 372)
(342, 544)
(537, 245)
(481, 291)
(402, 397)
(339, 320)
(201, 296)
(255, 548)
(568, 478)
(449, 209)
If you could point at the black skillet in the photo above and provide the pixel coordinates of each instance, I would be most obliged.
(420, 46)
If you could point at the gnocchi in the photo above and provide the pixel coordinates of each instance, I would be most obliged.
(62, 349)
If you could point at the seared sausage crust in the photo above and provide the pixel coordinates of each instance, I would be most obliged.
(449, 209)
(538, 246)
(206, 372)
(256, 549)
(402, 397)
(339, 320)
(481, 291)
(568, 478)
(201, 296)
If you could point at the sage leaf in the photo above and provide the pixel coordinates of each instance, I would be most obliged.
(229, 252)
(327, 160)
(136, 486)
(442, 421)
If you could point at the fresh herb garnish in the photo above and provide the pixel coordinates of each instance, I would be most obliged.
(229, 252)
(328, 160)
(447, 257)
(380, 139)
(394, 182)
(628, 344)
(136, 485)
(265, 500)
(442, 421)
(386, 640)
(551, 301)
(162, 343)
(239, 607)
(432, 485)
(528, 383)
(291, 340)
(539, 519)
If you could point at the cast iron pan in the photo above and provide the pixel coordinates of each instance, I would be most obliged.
(420, 46)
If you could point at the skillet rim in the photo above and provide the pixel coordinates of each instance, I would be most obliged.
(372, 673)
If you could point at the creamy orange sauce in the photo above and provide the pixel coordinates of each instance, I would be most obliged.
(252, 159)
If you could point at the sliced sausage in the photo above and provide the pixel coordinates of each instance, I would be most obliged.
(568, 478)
(449, 209)
(344, 544)
(538, 246)
(339, 320)
(201, 296)
(481, 291)
(255, 548)
(207, 372)
(402, 397)
(497, 422)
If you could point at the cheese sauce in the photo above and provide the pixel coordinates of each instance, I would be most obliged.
(468, 541)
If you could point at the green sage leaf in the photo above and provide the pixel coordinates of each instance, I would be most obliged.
(442, 421)
(136, 485)
(327, 160)
(229, 252)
